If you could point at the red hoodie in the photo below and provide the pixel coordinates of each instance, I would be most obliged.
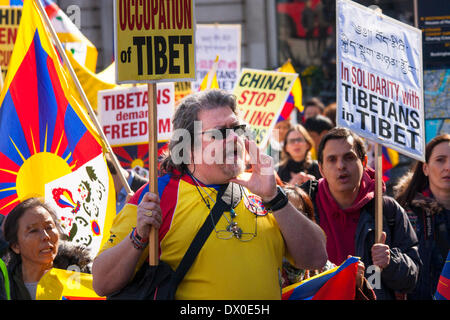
(340, 224)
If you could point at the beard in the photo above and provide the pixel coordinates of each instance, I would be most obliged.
(218, 163)
(233, 159)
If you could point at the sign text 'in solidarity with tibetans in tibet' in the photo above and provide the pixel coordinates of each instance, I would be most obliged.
(379, 85)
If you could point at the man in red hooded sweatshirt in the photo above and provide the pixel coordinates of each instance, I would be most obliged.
(344, 208)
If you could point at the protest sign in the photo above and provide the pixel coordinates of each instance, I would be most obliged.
(260, 96)
(379, 82)
(182, 89)
(154, 40)
(218, 40)
(9, 24)
(123, 113)
(433, 18)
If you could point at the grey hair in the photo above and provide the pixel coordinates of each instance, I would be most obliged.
(183, 123)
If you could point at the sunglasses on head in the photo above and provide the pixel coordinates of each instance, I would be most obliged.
(223, 133)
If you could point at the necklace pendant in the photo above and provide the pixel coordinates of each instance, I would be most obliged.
(234, 228)
(233, 214)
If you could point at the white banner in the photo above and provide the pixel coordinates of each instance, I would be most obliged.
(218, 40)
(379, 79)
(80, 200)
(123, 113)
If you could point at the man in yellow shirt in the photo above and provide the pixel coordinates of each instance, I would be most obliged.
(242, 258)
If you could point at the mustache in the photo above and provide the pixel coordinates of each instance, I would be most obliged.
(233, 147)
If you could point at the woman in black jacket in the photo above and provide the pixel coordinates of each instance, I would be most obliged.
(425, 194)
(296, 165)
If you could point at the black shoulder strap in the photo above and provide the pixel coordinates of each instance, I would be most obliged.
(201, 237)
(311, 187)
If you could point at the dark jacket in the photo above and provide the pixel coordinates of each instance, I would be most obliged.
(431, 222)
(402, 273)
(68, 255)
(284, 172)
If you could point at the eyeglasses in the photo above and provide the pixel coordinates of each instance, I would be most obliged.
(233, 230)
(296, 140)
(223, 133)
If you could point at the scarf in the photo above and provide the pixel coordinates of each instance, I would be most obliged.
(340, 224)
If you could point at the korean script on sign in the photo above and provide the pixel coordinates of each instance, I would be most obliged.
(379, 79)
(154, 40)
(260, 97)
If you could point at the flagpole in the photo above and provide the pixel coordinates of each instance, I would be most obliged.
(378, 176)
(91, 113)
(378, 192)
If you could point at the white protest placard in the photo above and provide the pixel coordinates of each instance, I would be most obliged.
(223, 40)
(123, 113)
(379, 79)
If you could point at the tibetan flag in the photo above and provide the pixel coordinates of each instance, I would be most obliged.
(443, 288)
(296, 90)
(58, 284)
(68, 33)
(210, 80)
(132, 156)
(389, 160)
(336, 284)
(287, 108)
(49, 147)
(135, 157)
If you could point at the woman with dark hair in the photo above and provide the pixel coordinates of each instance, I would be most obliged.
(35, 246)
(296, 165)
(425, 194)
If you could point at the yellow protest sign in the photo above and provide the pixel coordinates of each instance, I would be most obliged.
(9, 24)
(182, 89)
(154, 40)
(260, 97)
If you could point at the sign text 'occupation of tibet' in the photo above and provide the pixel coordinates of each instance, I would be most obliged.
(123, 113)
(155, 40)
(260, 96)
(380, 91)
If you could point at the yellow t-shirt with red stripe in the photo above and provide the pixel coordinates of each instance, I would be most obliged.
(224, 269)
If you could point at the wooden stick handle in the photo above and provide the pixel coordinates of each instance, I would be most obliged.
(153, 166)
(91, 113)
(378, 193)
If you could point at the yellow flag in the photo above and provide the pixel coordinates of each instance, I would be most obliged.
(297, 87)
(210, 80)
(58, 284)
(90, 81)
